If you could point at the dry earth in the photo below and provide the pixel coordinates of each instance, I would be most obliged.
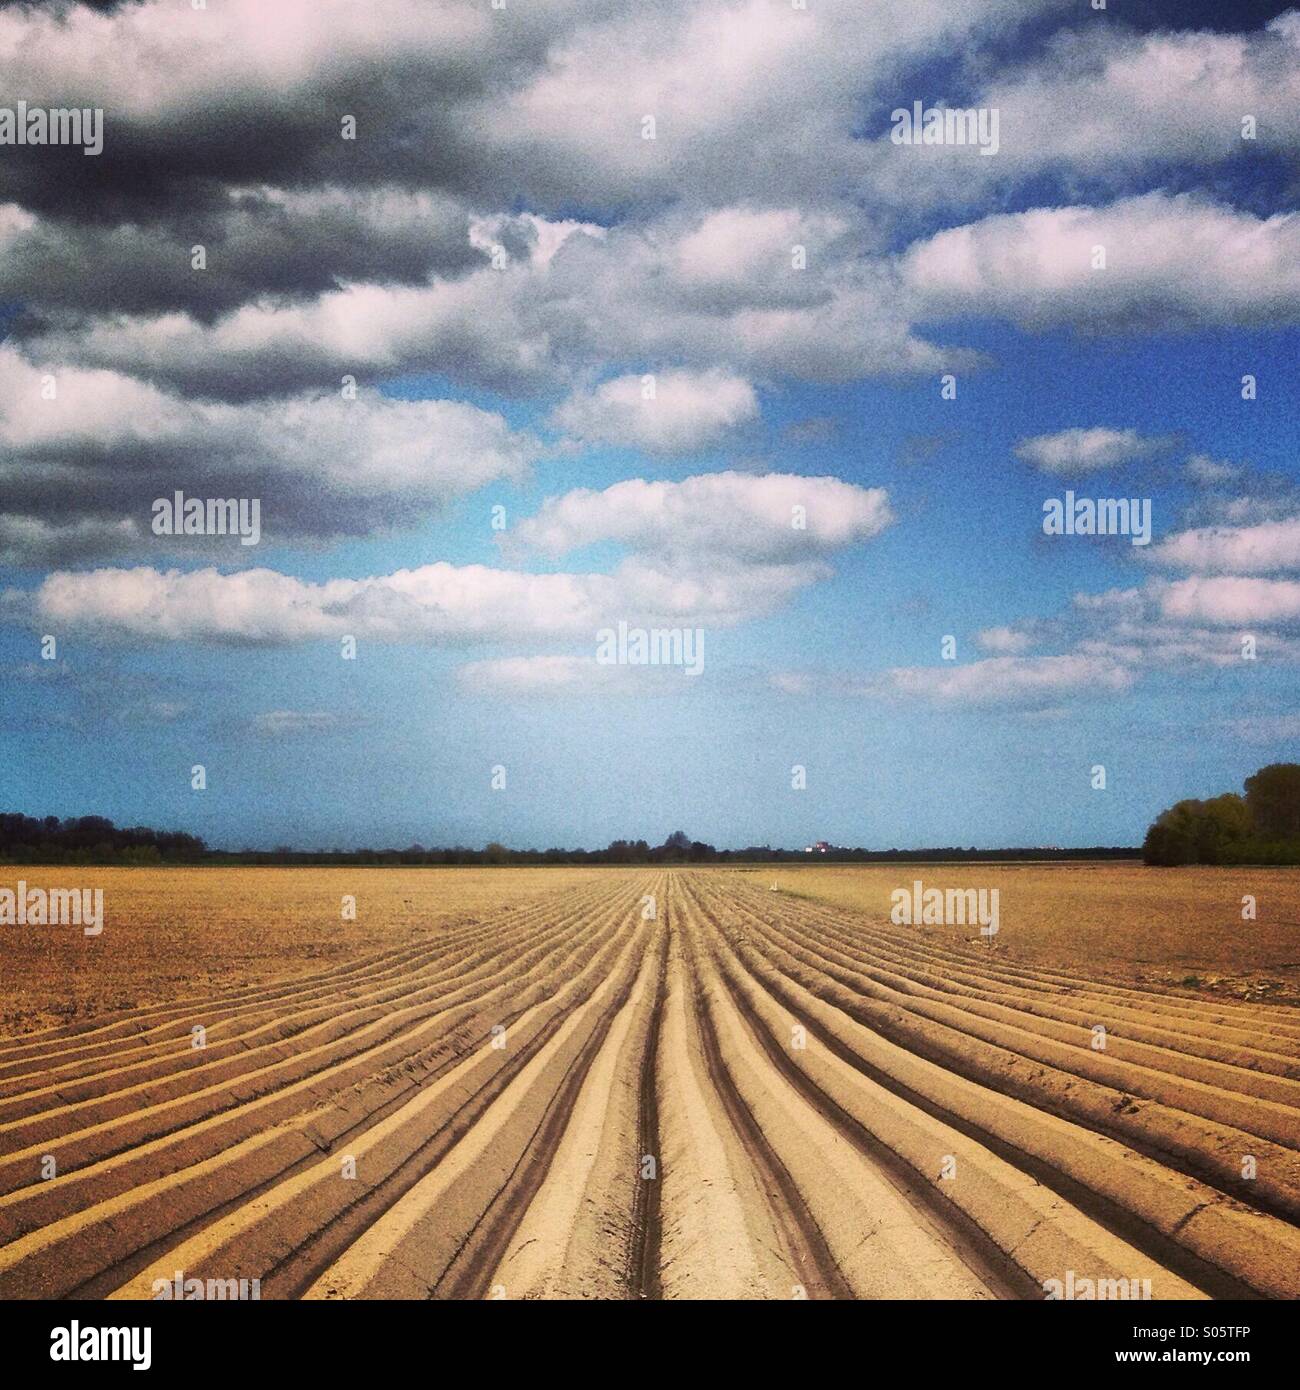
(1181, 928)
(750, 1095)
(172, 933)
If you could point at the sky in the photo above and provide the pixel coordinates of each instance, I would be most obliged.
(502, 372)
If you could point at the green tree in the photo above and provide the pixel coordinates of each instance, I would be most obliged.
(1198, 832)
(1273, 800)
(1224, 822)
(1171, 839)
(1263, 827)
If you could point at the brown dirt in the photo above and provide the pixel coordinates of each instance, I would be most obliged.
(752, 1095)
(1177, 929)
(174, 933)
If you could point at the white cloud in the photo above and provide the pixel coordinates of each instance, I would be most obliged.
(1113, 103)
(624, 298)
(1207, 472)
(1266, 548)
(616, 297)
(434, 603)
(1088, 450)
(732, 250)
(1004, 641)
(1189, 615)
(542, 236)
(1231, 599)
(1157, 625)
(747, 95)
(269, 346)
(109, 444)
(768, 517)
(1002, 680)
(1172, 262)
(675, 412)
(164, 66)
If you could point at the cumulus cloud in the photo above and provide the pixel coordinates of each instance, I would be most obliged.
(1266, 548)
(239, 91)
(1123, 98)
(1161, 625)
(668, 412)
(622, 296)
(760, 238)
(256, 241)
(712, 550)
(615, 296)
(543, 101)
(78, 472)
(1231, 599)
(328, 255)
(1156, 625)
(1105, 107)
(780, 111)
(438, 603)
(267, 347)
(722, 257)
(1172, 262)
(1076, 451)
(748, 517)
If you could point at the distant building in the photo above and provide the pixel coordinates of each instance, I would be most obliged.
(819, 848)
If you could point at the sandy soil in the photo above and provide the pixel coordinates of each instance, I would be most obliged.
(1174, 928)
(171, 933)
(751, 1095)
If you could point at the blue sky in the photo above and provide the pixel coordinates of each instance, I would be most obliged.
(501, 271)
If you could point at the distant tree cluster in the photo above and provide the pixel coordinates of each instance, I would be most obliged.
(1262, 827)
(91, 840)
(95, 840)
(678, 848)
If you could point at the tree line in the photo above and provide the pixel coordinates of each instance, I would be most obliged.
(96, 840)
(1262, 827)
(91, 840)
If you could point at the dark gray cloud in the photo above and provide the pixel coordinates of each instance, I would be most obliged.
(79, 473)
(262, 241)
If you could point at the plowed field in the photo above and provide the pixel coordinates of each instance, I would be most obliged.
(744, 1095)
